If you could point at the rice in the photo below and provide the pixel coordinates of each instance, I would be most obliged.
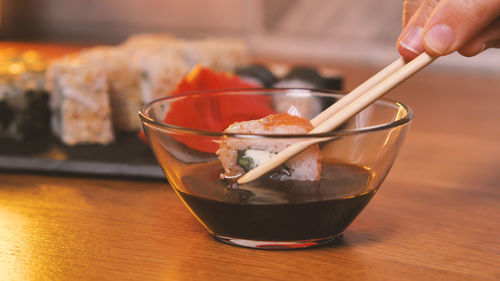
(305, 166)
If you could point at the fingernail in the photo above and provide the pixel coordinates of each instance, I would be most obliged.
(411, 41)
(439, 38)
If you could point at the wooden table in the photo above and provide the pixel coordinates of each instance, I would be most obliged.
(436, 217)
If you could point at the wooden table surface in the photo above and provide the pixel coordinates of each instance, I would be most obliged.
(436, 217)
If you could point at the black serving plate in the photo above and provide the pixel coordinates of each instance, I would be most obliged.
(127, 157)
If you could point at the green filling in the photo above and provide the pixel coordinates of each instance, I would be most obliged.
(245, 162)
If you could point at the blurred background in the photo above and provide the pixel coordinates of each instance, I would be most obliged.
(319, 31)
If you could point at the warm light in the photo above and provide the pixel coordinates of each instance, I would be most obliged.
(400, 114)
(16, 68)
(12, 246)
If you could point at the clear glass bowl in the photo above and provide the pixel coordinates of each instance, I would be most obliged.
(273, 212)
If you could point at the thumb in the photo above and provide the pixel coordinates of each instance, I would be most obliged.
(409, 43)
(455, 22)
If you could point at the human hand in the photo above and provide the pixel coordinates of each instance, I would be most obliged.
(441, 27)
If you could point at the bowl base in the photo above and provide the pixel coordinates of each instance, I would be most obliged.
(276, 245)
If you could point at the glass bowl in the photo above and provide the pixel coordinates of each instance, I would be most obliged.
(272, 212)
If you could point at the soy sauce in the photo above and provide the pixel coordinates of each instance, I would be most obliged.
(270, 210)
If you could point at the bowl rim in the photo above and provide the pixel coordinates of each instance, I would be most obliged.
(337, 133)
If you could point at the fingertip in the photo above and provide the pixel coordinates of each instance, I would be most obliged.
(439, 40)
(410, 44)
(408, 54)
(402, 34)
(471, 50)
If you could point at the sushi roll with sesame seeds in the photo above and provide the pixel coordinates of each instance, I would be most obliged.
(238, 156)
(302, 77)
(300, 102)
(258, 74)
(24, 101)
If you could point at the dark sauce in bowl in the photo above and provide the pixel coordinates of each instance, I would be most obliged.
(271, 210)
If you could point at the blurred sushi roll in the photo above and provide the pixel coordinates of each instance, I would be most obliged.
(333, 79)
(24, 108)
(258, 74)
(300, 102)
(335, 83)
(308, 77)
(302, 77)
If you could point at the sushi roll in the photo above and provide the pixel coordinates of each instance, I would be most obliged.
(333, 78)
(238, 156)
(24, 101)
(123, 84)
(302, 77)
(217, 54)
(80, 101)
(258, 74)
(308, 77)
(300, 102)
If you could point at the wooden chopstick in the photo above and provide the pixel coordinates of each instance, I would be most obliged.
(353, 106)
(357, 92)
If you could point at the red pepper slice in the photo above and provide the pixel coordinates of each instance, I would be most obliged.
(212, 112)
